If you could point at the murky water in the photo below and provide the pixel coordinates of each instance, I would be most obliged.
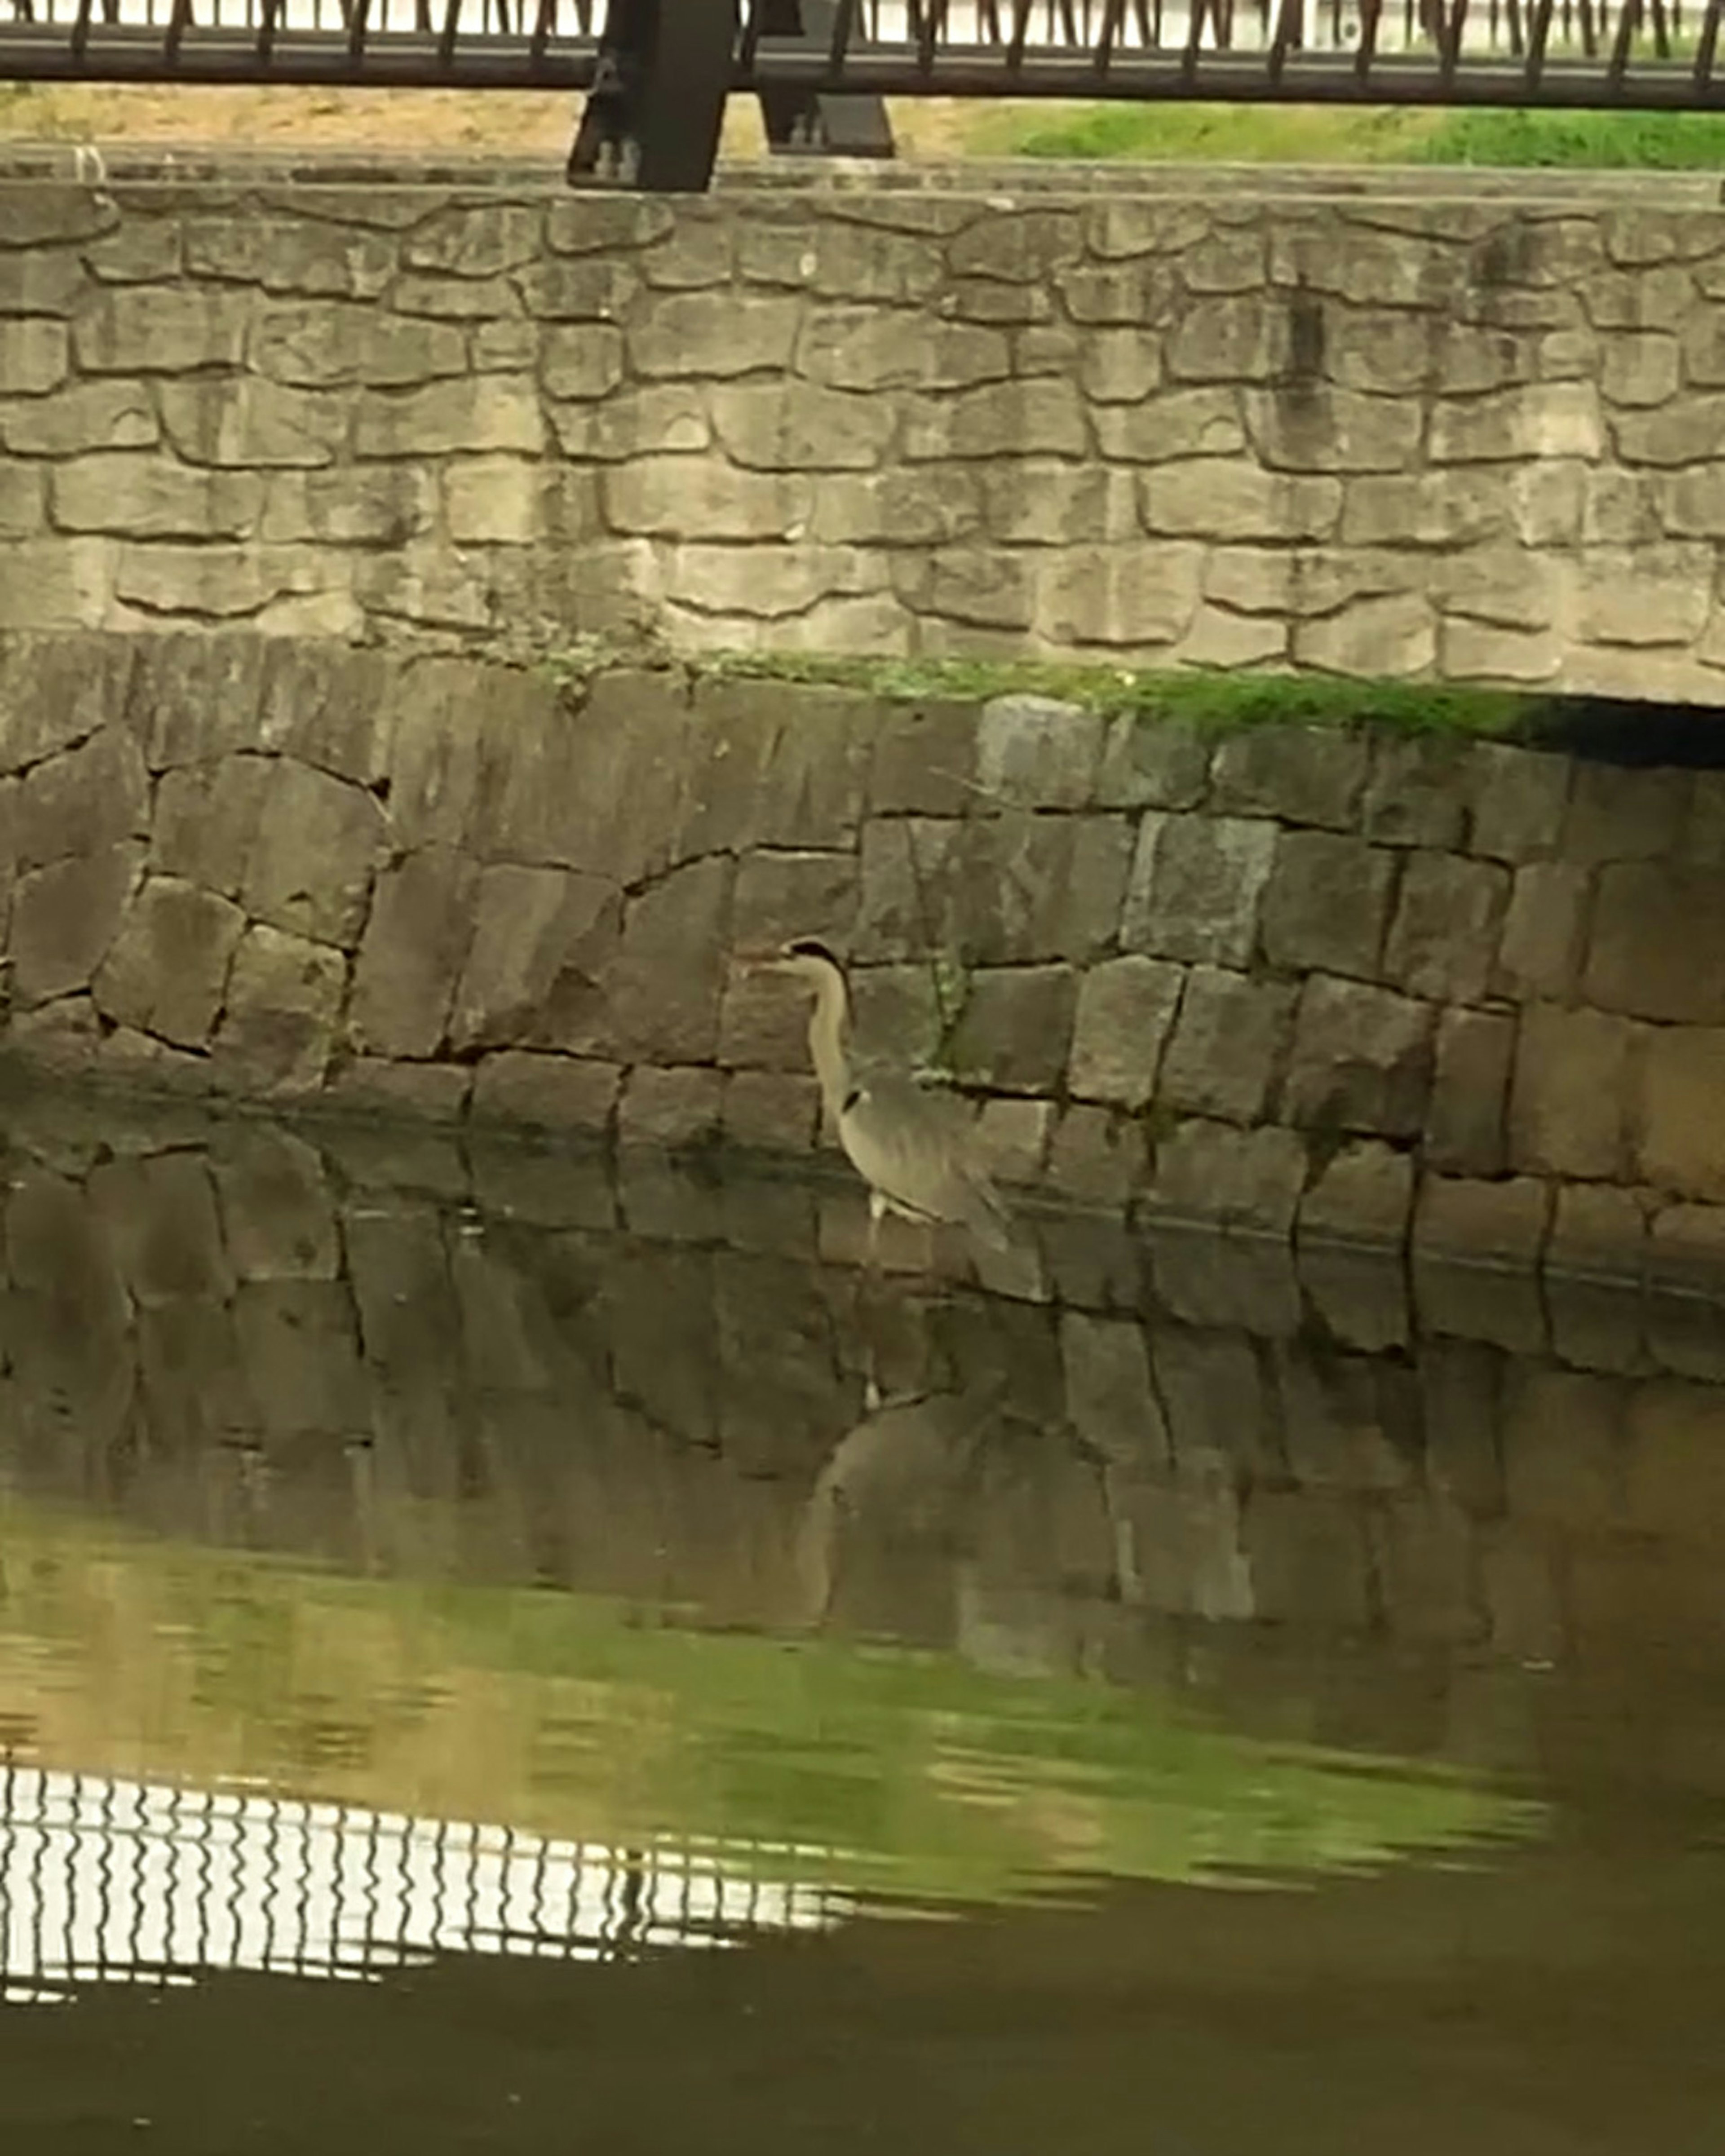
(496, 1655)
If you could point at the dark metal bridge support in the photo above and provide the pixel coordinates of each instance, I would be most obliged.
(653, 116)
(807, 122)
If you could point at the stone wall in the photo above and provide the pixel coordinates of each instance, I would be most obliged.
(1352, 985)
(1475, 439)
(469, 1361)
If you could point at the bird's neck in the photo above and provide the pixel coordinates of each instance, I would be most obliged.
(829, 1039)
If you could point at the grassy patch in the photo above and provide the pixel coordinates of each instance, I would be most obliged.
(1217, 701)
(1342, 134)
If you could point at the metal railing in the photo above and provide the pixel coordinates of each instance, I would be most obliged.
(110, 1882)
(658, 72)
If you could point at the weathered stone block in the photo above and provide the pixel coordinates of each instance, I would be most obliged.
(1327, 904)
(1658, 943)
(34, 355)
(1228, 1045)
(861, 348)
(84, 799)
(763, 1022)
(1110, 1395)
(1010, 1138)
(206, 818)
(1568, 1103)
(278, 1210)
(1125, 1008)
(1174, 423)
(160, 1215)
(319, 842)
(542, 941)
(243, 421)
(299, 1349)
(1536, 419)
(1321, 428)
(162, 330)
(1036, 753)
(1680, 1139)
(559, 1092)
(1096, 1156)
(718, 333)
(782, 894)
(415, 944)
(664, 986)
(1015, 1028)
(1443, 938)
(1362, 1059)
(1149, 761)
(1464, 1131)
(1597, 1233)
(1196, 883)
(1618, 814)
(167, 970)
(1363, 1197)
(1248, 1181)
(771, 1110)
(672, 1107)
(790, 425)
(1650, 594)
(469, 415)
(1133, 595)
(1417, 793)
(1519, 798)
(1219, 498)
(1500, 1225)
(668, 497)
(1687, 1248)
(1301, 774)
(1390, 636)
(285, 998)
(1451, 508)
(1032, 418)
(1540, 955)
(65, 920)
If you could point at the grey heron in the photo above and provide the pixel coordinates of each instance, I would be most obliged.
(907, 1142)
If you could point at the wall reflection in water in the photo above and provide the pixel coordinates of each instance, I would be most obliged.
(1459, 1523)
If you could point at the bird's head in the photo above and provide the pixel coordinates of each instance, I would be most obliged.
(808, 960)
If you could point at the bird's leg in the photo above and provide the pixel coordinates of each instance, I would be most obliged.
(877, 1214)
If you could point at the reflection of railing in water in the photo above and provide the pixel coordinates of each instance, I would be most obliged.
(110, 1882)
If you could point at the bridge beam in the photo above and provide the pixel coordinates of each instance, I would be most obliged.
(654, 114)
(815, 123)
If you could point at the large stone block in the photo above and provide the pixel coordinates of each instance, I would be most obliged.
(319, 842)
(84, 799)
(1220, 498)
(1570, 1102)
(1036, 753)
(1327, 904)
(1361, 1197)
(1658, 945)
(1321, 428)
(782, 894)
(242, 421)
(788, 425)
(1626, 814)
(1110, 1395)
(541, 941)
(205, 821)
(1465, 1127)
(1126, 1007)
(1248, 1181)
(65, 920)
(300, 1348)
(1031, 418)
(1015, 1027)
(1196, 883)
(662, 988)
(167, 971)
(1013, 889)
(1544, 927)
(285, 1000)
(1519, 797)
(676, 497)
(1149, 761)
(1536, 420)
(278, 1207)
(719, 333)
(156, 329)
(1680, 1139)
(415, 944)
(34, 355)
(1444, 939)
(678, 1106)
(1096, 1157)
(1500, 1224)
(1417, 794)
(1362, 1059)
(557, 1092)
(323, 344)
(1131, 595)
(1300, 774)
(772, 764)
(470, 415)
(160, 1215)
(1228, 1045)
(134, 492)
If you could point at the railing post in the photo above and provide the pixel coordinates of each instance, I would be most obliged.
(819, 125)
(653, 116)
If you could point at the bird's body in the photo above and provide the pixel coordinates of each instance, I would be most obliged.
(908, 1143)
